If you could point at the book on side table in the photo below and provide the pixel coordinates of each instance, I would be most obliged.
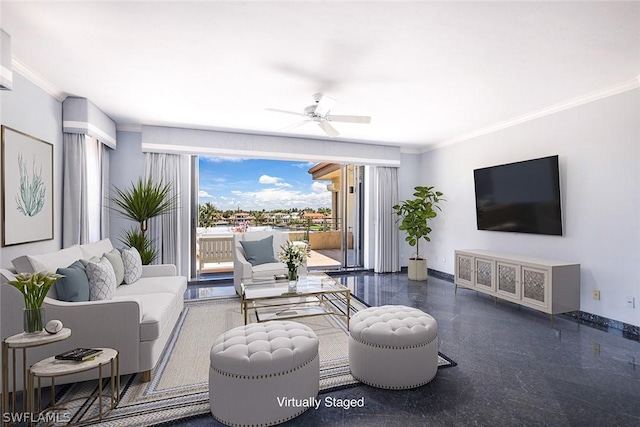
(79, 354)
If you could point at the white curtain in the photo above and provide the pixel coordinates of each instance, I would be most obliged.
(75, 216)
(164, 230)
(387, 245)
(85, 186)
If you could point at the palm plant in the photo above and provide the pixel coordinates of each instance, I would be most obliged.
(144, 200)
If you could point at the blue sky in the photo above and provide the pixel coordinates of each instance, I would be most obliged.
(251, 184)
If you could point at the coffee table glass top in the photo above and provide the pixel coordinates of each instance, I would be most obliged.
(314, 283)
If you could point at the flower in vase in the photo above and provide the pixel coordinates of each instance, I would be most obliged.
(34, 286)
(294, 256)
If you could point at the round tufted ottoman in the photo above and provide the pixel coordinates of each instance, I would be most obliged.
(262, 374)
(393, 347)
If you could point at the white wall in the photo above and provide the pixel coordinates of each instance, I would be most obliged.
(29, 109)
(126, 165)
(598, 147)
(408, 178)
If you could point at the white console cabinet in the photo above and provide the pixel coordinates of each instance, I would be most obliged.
(546, 285)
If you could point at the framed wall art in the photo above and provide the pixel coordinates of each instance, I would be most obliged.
(27, 188)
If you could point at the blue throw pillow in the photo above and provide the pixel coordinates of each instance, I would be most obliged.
(74, 286)
(259, 251)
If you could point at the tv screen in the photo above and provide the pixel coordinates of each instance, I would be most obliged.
(521, 197)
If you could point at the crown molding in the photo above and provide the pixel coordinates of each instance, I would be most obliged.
(129, 127)
(556, 108)
(35, 78)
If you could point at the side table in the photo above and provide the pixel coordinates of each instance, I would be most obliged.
(23, 342)
(52, 368)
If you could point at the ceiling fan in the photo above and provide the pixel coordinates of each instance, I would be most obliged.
(319, 113)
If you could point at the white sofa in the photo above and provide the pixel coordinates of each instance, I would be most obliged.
(243, 271)
(137, 321)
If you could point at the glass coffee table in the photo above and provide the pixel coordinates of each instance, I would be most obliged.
(316, 295)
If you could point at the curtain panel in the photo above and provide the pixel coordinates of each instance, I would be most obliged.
(75, 216)
(386, 240)
(164, 230)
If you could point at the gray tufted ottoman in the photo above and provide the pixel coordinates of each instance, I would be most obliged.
(393, 347)
(260, 374)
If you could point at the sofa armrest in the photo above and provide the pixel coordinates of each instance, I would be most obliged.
(159, 270)
(241, 268)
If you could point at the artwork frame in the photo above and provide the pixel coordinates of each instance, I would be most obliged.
(27, 188)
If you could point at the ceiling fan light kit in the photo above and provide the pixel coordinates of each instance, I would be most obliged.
(319, 113)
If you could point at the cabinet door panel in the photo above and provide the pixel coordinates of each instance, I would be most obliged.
(535, 285)
(484, 271)
(464, 270)
(508, 280)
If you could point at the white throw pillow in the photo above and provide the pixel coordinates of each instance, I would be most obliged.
(132, 265)
(96, 249)
(102, 280)
(52, 261)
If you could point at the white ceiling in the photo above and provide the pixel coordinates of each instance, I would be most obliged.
(427, 72)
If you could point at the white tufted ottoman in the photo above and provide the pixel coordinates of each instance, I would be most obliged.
(261, 373)
(393, 347)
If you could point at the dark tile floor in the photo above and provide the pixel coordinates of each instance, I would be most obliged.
(514, 367)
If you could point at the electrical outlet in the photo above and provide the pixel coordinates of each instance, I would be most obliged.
(595, 294)
(630, 302)
(596, 348)
(444, 259)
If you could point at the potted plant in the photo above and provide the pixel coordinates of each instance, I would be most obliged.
(144, 200)
(294, 256)
(34, 287)
(414, 216)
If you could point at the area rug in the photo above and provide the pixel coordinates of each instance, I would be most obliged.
(179, 384)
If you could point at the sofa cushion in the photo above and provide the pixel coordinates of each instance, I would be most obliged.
(259, 251)
(52, 261)
(115, 259)
(158, 308)
(132, 265)
(74, 285)
(22, 264)
(269, 270)
(102, 279)
(149, 285)
(96, 249)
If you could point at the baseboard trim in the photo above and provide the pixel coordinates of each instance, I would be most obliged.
(602, 323)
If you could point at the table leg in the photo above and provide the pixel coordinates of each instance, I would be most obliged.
(244, 307)
(5, 380)
(100, 392)
(348, 308)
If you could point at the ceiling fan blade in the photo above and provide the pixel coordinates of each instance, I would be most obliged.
(328, 129)
(349, 119)
(295, 125)
(324, 105)
(276, 110)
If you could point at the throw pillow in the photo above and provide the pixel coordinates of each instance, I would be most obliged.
(132, 265)
(74, 285)
(102, 280)
(115, 259)
(259, 251)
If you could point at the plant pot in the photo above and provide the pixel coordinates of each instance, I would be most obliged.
(417, 269)
(34, 320)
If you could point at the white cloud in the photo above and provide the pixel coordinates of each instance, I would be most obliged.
(204, 195)
(278, 182)
(319, 187)
(278, 198)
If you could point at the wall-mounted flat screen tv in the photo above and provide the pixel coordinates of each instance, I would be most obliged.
(522, 197)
